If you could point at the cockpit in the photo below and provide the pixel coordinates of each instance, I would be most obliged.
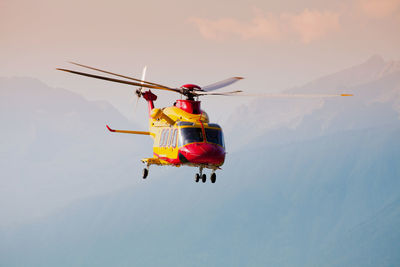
(194, 134)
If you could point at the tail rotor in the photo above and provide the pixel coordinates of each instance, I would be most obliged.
(139, 91)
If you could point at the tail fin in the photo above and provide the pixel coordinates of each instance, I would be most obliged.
(150, 98)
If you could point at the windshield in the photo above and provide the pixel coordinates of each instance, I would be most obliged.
(191, 135)
(215, 136)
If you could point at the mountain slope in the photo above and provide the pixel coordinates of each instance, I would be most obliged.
(54, 146)
(374, 242)
(288, 207)
(376, 102)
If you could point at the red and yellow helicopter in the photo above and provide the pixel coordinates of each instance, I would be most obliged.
(182, 133)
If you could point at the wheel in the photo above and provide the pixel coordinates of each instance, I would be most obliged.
(213, 177)
(145, 173)
(203, 178)
(197, 177)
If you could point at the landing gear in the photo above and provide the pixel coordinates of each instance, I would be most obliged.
(203, 178)
(213, 177)
(200, 176)
(145, 173)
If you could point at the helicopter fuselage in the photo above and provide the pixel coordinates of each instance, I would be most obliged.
(183, 135)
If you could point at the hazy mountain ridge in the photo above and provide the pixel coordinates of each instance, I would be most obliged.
(55, 146)
(378, 236)
(372, 69)
(297, 210)
(376, 102)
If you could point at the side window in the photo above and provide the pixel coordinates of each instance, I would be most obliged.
(170, 138)
(166, 138)
(174, 138)
(160, 144)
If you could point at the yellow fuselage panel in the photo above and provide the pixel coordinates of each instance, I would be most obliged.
(165, 144)
(178, 114)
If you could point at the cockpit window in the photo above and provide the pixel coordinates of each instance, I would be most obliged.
(191, 135)
(215, 136)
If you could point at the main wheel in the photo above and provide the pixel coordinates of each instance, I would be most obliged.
(145, 173)
(197, 177)
(213, 177)
(203, 178)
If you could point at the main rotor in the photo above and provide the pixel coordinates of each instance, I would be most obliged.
(190, 91)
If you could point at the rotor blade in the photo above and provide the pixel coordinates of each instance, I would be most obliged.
(220, 84)
(232, 93)
(237, 93)
(143, 74)
(136, 104)
(120, 81)
(139, 91)
(119, 75)
(294, 95)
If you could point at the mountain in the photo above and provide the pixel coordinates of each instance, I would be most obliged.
(378, 237)
(376, 102)
(54, 146)
(314, 186)
(292, 205)
(371, 70)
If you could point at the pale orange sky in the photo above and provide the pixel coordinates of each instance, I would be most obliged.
(275, 45)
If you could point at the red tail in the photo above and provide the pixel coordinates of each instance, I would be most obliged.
(150, 98)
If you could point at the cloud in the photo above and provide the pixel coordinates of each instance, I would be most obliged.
(221, 29)
(311, 25)
(305, 26)
(379, 8)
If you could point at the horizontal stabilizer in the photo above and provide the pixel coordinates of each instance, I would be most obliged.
(152, 161)
(128, 132)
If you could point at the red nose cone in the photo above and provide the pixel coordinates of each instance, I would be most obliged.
(202, 153)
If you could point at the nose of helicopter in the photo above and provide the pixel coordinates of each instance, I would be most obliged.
(202, 153)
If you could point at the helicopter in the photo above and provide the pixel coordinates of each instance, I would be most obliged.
(182, 133)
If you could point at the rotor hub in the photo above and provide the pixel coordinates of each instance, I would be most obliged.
(190, 106)
(191, 87)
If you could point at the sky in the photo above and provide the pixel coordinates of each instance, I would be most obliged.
(275, 45)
